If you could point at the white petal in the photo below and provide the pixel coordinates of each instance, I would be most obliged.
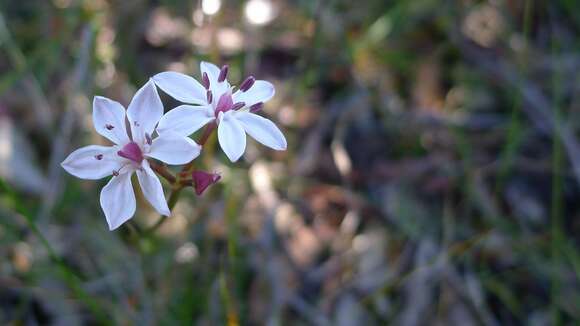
(118, 200)
(231, 136)
(185, 119)
(144, 112)
(109, 120)
(181, 87)
(152, 189)
(213, 73)
(174, 149)
(262, 130)
(261, 91)
(84, 163)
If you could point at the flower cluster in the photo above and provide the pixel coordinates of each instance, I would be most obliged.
(142, 133)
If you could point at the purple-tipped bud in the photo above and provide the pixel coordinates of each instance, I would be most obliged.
(209, 95)
(202, 180)
(223, 73)
(238, 106)
(109, 127)
(247, 84)
(205, 80)
(256, 107)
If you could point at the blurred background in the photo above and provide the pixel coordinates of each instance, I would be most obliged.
(432, 174)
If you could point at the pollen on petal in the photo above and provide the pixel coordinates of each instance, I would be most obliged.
(109, 127)
(99, 157)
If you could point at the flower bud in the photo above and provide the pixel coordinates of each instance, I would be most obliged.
(202, 180)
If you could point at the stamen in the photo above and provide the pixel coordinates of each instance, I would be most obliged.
(247, 84)
(256, 107)
(209, 95)
(109, 127)
(99, 157)
(148, 139)
(238, 106)
(223, 73)
(205, 80)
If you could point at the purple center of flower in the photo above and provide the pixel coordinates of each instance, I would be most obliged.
(132, 152)
(226, 103)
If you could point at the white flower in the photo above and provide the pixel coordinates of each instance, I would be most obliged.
(129, 154)
(234, 113)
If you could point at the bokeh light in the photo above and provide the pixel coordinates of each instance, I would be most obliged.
(259, 12)
(211, 7)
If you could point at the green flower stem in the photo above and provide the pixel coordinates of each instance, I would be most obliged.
(173, 197)
(162, 171)
(180, 181)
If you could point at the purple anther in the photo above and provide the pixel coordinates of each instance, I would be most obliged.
(238, 106)
(209, 95)
(99, 157)
(109, 127)
(247, 84)
(148, 139)
(256, 107)
(205, 80)
(223, 73)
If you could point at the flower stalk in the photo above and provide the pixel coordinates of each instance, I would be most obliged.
(179, 183)
(163, 171)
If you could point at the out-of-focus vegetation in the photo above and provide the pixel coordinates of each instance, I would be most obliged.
(432, 175)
